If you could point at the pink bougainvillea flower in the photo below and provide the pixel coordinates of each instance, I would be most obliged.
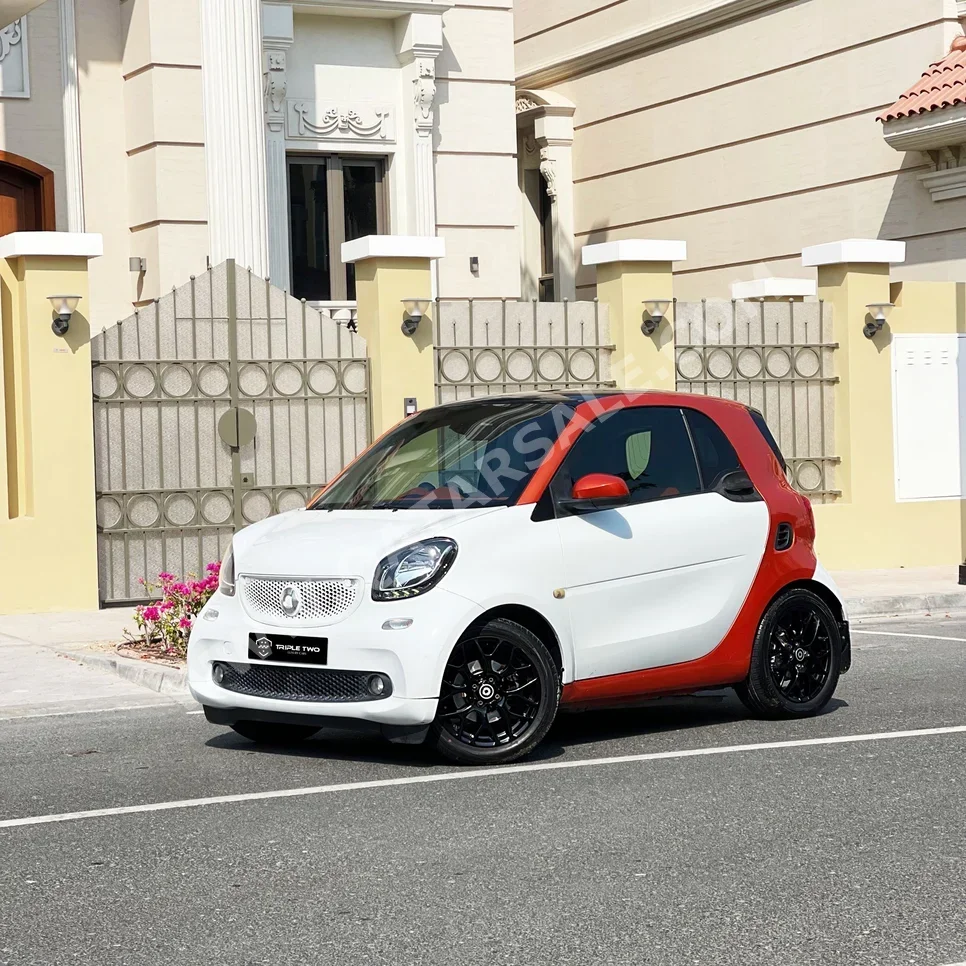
(167, 605)
(181, 589)
(185, 623)
(151, 613)
(213, 568)
(166, 576)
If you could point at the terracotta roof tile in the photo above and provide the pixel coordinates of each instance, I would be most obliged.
(943, 85)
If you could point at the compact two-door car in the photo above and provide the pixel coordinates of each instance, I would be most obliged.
(490, 561)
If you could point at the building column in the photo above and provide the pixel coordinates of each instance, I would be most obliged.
(231, 41)
(389, 269)
(73, 165)
(420, 44)
(278, 30)
(630, 273)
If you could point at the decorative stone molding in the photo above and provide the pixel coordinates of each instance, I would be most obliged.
(636, 250)
(276, 86)
(424, 95)
(855, 251)
(343, 313)
(15, 76)
(945, 183)
(774, 288)
(548, 168)
(525, 104)
(314, 121)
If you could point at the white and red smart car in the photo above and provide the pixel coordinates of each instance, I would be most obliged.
(490, 561)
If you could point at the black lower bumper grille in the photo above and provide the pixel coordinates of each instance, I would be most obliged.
(298, 683)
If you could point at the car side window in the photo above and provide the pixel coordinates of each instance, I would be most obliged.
(646, 446)
(716, 455)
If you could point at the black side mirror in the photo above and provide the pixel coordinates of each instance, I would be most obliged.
(737, 487)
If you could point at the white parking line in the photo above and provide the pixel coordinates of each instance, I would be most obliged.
(465, 775)
(67, 714)
(922, 637)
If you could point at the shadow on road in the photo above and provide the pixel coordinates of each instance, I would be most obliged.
(571, 729)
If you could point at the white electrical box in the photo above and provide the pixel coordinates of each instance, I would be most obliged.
(929, 416)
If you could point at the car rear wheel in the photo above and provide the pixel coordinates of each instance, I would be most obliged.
(796, 659)
(500, 695)
(270, 733)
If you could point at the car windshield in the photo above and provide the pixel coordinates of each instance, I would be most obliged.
(479, 453)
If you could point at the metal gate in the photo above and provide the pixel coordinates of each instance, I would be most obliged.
(777, 357)
(220, 404)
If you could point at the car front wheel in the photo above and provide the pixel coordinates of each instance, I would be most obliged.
(796, 659)
(499, 697)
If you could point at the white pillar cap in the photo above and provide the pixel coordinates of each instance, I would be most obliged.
(774, 288)
(21, 244)
(861, 251)
(635, 250)
(393, 246)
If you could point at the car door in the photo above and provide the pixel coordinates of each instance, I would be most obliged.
(660, 580)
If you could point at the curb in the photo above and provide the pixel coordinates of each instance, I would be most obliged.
(905, 604)
(154, 677)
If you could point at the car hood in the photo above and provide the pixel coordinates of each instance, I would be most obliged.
(339, 543)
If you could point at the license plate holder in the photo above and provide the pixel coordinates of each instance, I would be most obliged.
(288, 649)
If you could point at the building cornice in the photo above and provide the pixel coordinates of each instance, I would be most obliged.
(714, 13)
(375, 8)
(927, 132)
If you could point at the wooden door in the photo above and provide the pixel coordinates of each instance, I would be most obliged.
(26, 196)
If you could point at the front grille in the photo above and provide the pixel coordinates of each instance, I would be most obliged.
(319, 602)
(299, 684)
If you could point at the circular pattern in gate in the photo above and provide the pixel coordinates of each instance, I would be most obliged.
(690, 365)
(256, 505)
(354, 379)
(454, 366)
(216, 508)
(180, 510)
(109, 513)
(720, 364)
(809, 476)
(253, 379)
(487, 366)
(287, 379)
(290, 500)
(519, 366)
(551, 365)
(749, 364)
(582, 366)
(105, 382)
(213, 380)
(139, 381)
(323, 379)
(143, 512)
(176, 381)
(778, 363)
(807, 363)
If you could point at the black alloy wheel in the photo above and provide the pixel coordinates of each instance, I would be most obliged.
(499, 696)
(271, 733)
(796, 659)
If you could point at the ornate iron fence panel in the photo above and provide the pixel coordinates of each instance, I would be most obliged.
(488, 347)
(222, 403)
(777, 357)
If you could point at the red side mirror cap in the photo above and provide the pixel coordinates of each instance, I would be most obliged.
(600, 486)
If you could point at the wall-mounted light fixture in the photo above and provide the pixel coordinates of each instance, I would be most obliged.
(880, 314)
(415, 310)
(654, 312)
(64, 306)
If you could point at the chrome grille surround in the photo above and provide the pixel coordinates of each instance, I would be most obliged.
(321, 601)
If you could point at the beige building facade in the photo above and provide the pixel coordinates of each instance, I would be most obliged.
(747, 128)
(188, 131)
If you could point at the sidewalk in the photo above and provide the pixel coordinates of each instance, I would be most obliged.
(919, 590)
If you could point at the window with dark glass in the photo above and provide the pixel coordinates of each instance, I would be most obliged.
(716, 455)
(547, 293)
(331, 200)
(646, 446)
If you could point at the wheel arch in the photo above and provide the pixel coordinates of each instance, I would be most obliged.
(817, 588)
(533, 621)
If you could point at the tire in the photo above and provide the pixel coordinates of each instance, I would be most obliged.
(499, 697)
(270, 733)
(796, 659)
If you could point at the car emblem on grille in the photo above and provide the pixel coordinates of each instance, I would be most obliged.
(291, 601)
(263, 648)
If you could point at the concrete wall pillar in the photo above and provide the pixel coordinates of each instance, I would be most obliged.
(630, 273)
(48, 528)
(389, 269)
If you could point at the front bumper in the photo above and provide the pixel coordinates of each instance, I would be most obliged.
(413, 659)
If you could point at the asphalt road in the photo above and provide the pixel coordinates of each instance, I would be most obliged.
(850, 852)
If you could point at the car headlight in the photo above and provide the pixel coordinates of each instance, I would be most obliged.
(226, 576)
(414, 570)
